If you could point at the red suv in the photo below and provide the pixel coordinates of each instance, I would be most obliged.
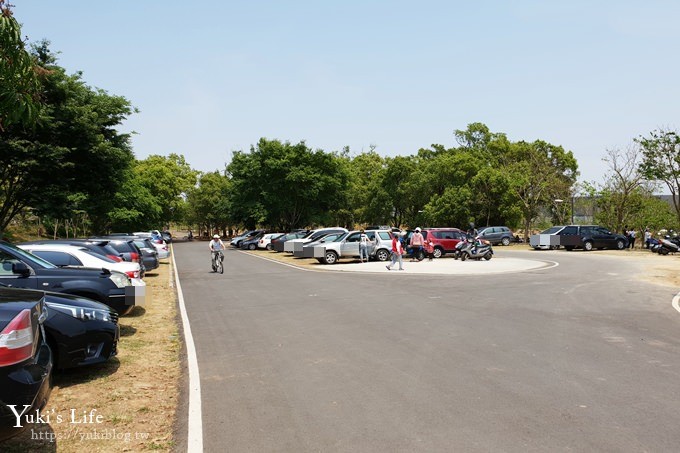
(445, 239)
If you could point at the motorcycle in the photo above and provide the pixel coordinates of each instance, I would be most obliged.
(464, 245)
(478, 249)
(668, 245)
(654, 245)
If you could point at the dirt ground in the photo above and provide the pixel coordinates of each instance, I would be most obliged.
(135, 394)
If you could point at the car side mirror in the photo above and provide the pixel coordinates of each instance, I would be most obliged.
(21, 269)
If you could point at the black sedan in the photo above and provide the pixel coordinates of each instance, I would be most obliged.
(80, 331)
(25, 359)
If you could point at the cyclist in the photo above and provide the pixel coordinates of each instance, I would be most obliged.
(216, 246)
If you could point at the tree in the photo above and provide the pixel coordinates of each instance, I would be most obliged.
(286, 186)
(624, 188)
(538, 172)
(167, 179)
(73, 160)
(661, 161)
(209, 202)
(19, 75)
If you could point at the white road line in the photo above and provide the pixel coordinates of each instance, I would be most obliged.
(676, 302)
(195, 435)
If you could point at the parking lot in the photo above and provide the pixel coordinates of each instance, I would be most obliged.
(539, 359)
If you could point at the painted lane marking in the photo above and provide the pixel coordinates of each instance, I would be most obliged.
(195, 420)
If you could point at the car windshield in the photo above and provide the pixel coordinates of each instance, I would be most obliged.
(32, 259)
(340, 238)
(552, 230)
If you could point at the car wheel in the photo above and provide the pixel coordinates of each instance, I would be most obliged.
(620, 245)
(330, 257)
(505, 241)
(587, 246)
(438, 253)
(382, 255)
(268, 246)
(252, 247)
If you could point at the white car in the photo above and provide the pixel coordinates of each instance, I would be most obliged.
(72, 255)
(266, 241)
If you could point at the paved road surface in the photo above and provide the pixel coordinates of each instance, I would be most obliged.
(580, 357)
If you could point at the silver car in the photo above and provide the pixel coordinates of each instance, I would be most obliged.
(347, 245)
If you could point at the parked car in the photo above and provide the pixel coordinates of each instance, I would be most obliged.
(265, 241)
(20, 269)
(295, 245)
(79, 331)
(444, 239)
(156, 240)
(546, 239)
(308, 248)
(63, 255)
(123, 244)
(589, 237)
(236, 240)
(278, 244)
(100, 246)
(167, 236)
(149, 253)
(250, 243)
(347, 245)
(497, 235)
(25, 358)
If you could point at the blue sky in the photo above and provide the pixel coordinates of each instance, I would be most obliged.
(212, 77)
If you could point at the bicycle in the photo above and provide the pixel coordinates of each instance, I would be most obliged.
(217, 258)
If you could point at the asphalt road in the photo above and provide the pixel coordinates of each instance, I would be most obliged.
(581, 357)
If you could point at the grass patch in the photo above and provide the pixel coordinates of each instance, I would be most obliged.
(135, 394)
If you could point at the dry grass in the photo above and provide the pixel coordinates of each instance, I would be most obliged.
(135, 394)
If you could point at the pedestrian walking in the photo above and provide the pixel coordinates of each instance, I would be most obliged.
(397, 252)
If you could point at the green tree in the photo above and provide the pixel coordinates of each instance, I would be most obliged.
(538, 172)
(19, 75)
(285, 186)
(209, 202)
(661, 161)
(74, 160)
(167, 179)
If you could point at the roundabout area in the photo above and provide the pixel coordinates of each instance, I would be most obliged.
(440, 266)
(446, 266)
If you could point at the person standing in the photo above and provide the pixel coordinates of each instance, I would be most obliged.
(416, 244)
(364, 241)
(429, 248)
(648, 237)
(397, 251)
(631, 239)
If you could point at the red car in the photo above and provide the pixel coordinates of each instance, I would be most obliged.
(445, 239)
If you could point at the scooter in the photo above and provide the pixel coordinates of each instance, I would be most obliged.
(479, 249)
(668, 245)
(464, 245)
